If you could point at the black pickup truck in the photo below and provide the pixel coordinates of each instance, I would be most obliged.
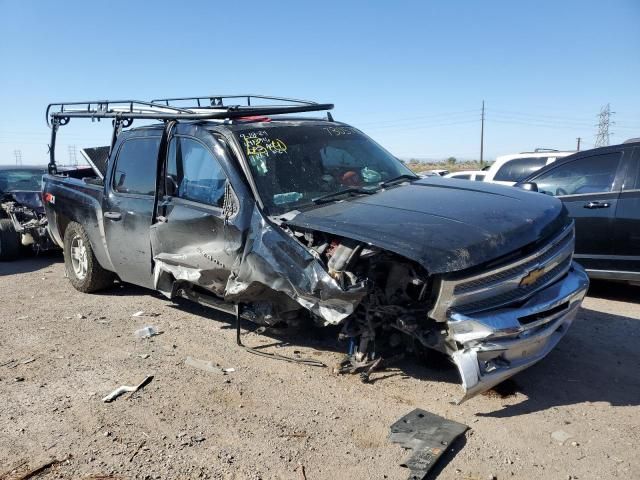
(289, 219)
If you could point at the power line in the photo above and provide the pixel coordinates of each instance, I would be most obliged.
(18, 155)
(603, 135)
(482, 136)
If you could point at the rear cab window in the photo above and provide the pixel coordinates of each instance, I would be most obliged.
(135, 170)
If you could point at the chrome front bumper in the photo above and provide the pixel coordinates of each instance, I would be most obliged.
(497, 344)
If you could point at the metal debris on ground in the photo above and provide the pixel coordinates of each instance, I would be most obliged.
(428, 435)
(15, 363)
(126, 388)
(207, 366)
(148, 331)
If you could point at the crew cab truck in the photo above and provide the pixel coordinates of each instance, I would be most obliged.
(289, 219)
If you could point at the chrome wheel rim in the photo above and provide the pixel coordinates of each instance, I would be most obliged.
(79, 260)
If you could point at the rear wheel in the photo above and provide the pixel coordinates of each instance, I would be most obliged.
(9, 240)
(84, 272)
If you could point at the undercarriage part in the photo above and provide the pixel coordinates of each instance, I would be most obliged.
(428, 436)
(305, 361)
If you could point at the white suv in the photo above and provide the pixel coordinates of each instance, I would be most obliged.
(510, 169)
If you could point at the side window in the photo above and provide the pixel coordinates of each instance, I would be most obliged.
(193, 173)
(593, 174)
(519, 168)
(633, 175)
(136, 166)
(479, 177)
(465, 176)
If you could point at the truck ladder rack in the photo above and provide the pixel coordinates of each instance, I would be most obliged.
(210, 107)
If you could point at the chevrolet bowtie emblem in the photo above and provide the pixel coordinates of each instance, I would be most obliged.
(532, 277)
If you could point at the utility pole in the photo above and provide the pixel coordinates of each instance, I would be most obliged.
(482, 137)
(18, 155)
(604, 121)
(578, 147)
(72, 155)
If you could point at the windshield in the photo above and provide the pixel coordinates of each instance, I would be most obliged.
(20, 179)
(293, 165)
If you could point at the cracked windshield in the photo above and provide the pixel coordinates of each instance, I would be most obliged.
(299, 166)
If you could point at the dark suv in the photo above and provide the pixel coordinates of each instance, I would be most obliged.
(601, 190)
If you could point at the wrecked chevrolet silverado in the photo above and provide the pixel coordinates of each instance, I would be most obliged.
(236, 203)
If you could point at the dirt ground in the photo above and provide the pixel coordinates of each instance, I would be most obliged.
(575, 415)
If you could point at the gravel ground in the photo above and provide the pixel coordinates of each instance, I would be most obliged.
(574, 415)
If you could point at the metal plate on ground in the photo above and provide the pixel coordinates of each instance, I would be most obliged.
(428, 435)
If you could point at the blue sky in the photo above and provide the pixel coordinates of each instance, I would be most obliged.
(410, 74)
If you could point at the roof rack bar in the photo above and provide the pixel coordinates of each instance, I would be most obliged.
(96, 107)
(218, 100)
(230, 113)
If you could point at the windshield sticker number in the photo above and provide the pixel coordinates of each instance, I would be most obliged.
(338, 131)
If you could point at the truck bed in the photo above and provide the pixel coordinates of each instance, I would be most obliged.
(71, 199)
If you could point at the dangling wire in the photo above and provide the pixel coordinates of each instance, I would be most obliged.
(275, 356)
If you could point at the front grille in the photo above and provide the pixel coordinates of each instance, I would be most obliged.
(503, 285)
(495, 278)
(513, 295)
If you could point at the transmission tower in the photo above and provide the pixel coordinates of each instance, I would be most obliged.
(73, 160)
(18, 155)
(604, 121)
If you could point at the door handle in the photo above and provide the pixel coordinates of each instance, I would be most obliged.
(113, 215)
(593, 205)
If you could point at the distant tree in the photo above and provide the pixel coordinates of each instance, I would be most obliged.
(451, 161)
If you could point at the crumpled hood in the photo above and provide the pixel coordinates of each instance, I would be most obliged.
(29, 199)
(446, 225)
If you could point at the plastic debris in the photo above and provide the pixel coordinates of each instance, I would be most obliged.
(125, 389)
(142, 313)
(428, 436)
(561, 436)
(148, 331)
(208, 366)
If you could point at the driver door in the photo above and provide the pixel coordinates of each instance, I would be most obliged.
(589, 186)
(193, 240)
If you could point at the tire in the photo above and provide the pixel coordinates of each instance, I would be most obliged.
(84, 272)
(9, 241)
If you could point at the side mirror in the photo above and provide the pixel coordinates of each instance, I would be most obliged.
(121, 178)
(529, 186)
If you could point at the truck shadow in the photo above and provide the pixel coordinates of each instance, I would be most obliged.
(30, 263)
(597, 361)
(614, 291)
(434, 367)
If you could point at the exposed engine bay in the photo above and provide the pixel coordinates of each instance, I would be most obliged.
(392, 318)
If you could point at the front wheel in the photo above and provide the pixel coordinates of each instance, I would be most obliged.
(84, 272)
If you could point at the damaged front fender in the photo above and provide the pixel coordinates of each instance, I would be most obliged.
(270, 259)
